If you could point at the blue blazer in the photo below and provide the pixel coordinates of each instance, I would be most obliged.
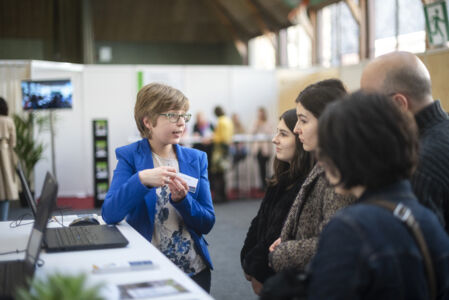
(128, 197)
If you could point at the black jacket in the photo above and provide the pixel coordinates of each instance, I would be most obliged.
(265, 228)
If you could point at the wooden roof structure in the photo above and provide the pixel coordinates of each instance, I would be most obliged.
(70, 28)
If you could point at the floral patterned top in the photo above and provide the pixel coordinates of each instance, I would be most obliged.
(170, 234)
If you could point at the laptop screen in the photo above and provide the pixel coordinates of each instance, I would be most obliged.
(44, 208)
(26, 189)
(34, 246)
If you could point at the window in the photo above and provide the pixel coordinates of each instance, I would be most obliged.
(261, 53)
(400, 25)
(339, 36)
(299, 47)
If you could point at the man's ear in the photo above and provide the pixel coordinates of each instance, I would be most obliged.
(402, 101)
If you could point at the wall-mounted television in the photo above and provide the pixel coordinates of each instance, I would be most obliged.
(46, 94)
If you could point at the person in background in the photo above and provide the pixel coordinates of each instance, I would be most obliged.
(317, 201)
(147, 188)
(8, 178)
(239, 150)
(291, 166)
(204, 130)
(222, 139)
(405, 79)
(238, 127)
(262, 149)
(369, 148)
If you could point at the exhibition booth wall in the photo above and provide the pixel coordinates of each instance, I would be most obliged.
(109, 92)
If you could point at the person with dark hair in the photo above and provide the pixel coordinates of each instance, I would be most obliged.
(222, 139)
(291, 166)
(405, 79)
(8, 182)
(316, 201)
(368, 148)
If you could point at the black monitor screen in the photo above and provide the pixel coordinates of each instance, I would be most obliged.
(47, 94)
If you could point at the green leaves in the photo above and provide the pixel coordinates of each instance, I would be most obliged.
(58, 286)
(28, 150)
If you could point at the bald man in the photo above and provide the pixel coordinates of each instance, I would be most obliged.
(403, 77)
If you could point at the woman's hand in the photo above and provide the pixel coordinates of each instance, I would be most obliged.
(274, 245)
(178, 188)
(157, 177)
(257, 286)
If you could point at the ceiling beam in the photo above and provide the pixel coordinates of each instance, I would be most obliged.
(363, 14)
(298, 15)
(316, 41)
(261, 24)
(227, 19)
(268, 16)
(222, 14)
(355, 10)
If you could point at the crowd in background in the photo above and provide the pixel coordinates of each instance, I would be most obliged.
(225, 153)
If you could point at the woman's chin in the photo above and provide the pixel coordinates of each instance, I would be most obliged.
(175, 140)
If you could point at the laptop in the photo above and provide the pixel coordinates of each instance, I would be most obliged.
(15, 274)
(76, 238)
(26, 190)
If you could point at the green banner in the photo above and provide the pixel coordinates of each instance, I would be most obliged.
(139, 80)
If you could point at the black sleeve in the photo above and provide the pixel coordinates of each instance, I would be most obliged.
(273, 212)
(251, 238)
(255, 262)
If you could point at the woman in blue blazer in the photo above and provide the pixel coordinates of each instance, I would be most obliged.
(149, 187)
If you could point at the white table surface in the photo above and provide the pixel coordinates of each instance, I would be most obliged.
(74, 262)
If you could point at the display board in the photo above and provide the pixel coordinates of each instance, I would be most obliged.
(101, 165)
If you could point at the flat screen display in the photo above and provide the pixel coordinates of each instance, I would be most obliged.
(46, 94)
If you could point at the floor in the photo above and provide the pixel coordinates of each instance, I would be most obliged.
(225, 241)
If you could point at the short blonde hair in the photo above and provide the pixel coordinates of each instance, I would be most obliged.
(154, 99)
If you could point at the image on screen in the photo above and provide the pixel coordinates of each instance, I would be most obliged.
(46, 94)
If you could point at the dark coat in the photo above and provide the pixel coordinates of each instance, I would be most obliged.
(265, 229)
(430, 181)
(367, 253)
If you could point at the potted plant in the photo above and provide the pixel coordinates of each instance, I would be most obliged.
(58, 286)
(28, 150)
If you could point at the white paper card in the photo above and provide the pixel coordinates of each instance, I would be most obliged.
(192, 182)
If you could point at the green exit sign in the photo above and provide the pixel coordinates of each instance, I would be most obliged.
(437, 25)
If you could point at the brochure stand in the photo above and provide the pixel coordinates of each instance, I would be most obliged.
(101, 163)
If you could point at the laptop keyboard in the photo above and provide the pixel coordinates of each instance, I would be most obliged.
(73, 236)
(11, 275)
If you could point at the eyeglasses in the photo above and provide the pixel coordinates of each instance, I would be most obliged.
(174, 117)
